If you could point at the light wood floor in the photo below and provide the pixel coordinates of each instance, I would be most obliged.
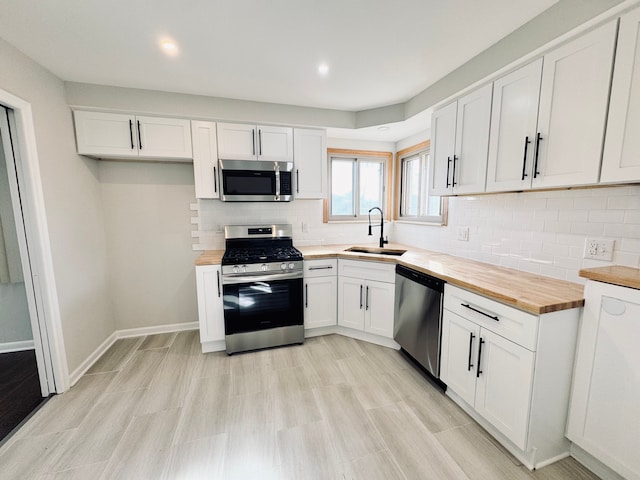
(334, 408)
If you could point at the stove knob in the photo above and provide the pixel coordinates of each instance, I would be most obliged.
(283, 266)
(244, 268)
(291, 266)
(236, 269)
(264, 267)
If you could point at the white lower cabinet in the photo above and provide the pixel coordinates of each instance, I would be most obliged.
(366, 292)
(210, 307)
(511, 371)
(605, 403)
(320, 293)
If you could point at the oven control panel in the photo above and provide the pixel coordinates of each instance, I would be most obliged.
(261, 268)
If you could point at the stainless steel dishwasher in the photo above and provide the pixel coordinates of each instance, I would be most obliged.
(418, 317)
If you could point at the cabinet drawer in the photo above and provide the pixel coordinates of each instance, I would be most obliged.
(518, 326)
(378, 271)
(320, 268)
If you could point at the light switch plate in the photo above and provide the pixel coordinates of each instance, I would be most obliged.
(463, 234)
(599, 248)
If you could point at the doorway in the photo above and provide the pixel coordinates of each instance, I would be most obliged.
(24, 382)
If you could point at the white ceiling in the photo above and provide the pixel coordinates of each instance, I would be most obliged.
(379, 52)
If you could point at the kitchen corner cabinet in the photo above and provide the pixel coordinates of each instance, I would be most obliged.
(239, 141)
(621, 159)
(115, 135)
(605, 408)
(205, 159)
(548, 117)
(460, 140)
(366, 292)
(320, 293)
(511, 371)
(310, 154)
(210, 307)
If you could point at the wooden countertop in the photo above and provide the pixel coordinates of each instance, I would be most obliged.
(615, 274)
(532, 293)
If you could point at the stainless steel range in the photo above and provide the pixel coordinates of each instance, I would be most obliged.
(262, 286)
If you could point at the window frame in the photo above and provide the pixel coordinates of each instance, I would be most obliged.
(386, 158)
(399, 197)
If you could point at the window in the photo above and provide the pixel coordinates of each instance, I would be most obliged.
(415, 203)
(357, 183)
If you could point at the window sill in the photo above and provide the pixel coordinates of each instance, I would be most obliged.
(419, 222)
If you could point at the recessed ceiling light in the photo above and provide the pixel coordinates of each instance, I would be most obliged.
(169, 47)
(384, 128)
(323, 69)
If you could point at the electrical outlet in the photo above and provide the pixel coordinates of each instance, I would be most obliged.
(599, 248)
(463, 234)
(305, 227)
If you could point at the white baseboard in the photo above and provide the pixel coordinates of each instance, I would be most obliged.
(16, 346)
(126, 333)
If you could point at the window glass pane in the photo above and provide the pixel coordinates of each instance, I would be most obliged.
(412, 186)
(341, 187)
(370, 176)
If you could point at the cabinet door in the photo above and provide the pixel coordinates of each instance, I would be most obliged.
(459, 355)
(472, 142)
(205, 159)
(275, 144)
(605, 412)
(443, 137)
(379, 307)
(573, 110)
(351, 303)
(210, 305)
(514, 116)
(621, 160)
(320, 301)
(237, 141)
(164, 138)
(503, 387)
(106, 134)
(310, 157)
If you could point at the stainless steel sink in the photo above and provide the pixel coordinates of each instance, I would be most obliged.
(376, 250)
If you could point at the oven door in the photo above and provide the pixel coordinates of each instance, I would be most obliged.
(261, 302)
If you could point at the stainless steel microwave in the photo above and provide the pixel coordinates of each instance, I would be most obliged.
(255, 181)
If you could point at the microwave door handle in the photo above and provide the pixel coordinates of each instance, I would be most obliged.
(277, 169)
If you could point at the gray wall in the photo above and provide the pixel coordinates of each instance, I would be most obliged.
(73, 207)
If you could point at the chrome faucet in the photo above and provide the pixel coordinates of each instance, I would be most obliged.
(382, 239)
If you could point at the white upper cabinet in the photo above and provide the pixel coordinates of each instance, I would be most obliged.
(205, 159)
(239, 141)
(114, 135)
(514, 118)
(460, 143)
(574, 96)
(310, 153)
(621, 160)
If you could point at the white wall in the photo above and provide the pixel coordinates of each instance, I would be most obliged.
(539, 232)
(73, 207)
(148, 223)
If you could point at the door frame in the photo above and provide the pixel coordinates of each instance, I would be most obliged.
(42, 293)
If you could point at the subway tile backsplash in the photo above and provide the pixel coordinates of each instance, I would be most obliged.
(538, 232)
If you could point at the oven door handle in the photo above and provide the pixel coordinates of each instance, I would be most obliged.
(236, 279)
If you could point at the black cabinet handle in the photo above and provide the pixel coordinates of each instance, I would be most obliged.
(306, 295)
(366, 299)
(535, 165)
(360, 296)
(139, 136)
(253, 141)
(131, 133)
(218, 274)
(215, 180)
(492, 317)
(524, 160)
(453, 176)
(326, 267)
(259, 142)
(469, 364)
(297, 180)
(448, 167)
(478, 371)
